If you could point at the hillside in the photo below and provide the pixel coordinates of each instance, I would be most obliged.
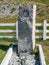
(9, 9)
(20, 1)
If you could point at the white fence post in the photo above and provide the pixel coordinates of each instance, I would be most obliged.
(33, 31)
(17, 30)
(44, 29)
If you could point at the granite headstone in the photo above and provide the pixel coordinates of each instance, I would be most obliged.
(25, 28)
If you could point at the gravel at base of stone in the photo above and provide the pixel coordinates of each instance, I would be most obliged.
(23, 60)
(26, 59)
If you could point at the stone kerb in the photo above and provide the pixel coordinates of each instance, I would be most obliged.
(41, 55)
(7, 56)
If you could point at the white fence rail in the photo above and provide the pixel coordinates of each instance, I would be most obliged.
(41, 24)
(7, 36)
(7, 24)
(44, 31)
(7, 31)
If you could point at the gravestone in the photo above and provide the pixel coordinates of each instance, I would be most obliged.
(25, 23)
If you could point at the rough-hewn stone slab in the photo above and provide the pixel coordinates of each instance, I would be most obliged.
(25, 28)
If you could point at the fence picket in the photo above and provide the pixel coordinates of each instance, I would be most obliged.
(44, 29)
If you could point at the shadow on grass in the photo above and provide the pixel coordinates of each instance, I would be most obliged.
(5, 47)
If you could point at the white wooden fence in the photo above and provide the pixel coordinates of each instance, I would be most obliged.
(44, 31)
(9, 31)
(44, 24)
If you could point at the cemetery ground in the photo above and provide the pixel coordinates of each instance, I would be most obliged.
(42, 13)
(5, 43)
(45, 46)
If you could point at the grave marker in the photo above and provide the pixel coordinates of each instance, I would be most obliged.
(26, 35)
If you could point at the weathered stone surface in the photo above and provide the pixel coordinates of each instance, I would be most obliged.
(26, 60)
(25, 28)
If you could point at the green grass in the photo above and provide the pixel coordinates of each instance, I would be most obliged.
(39, 27)
(46, 53)
(39, 34)
(25, 1)
(4, 45)
(47, 34)
(2, 54)
(42, 13)
(7, 34)
(7, 27)
(47, 27)
(6, 42)
(8, 18)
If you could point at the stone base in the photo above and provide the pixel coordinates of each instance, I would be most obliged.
(23, 60)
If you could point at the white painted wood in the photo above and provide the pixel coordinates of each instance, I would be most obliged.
(7, 56)
(13, 24)
(47, 24)
(33, 27)
(38, 36)
(16, 24)
(41, 55)
(7, 31)
(7, 24)
(39, 24)
(47, 37)
(47, 31)
(10, 31)
(7, 36)
(38, 31)
(15, 37)
(17, 30)
(44, 29)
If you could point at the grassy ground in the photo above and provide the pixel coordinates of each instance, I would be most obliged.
(45, 45)
(25, 1)
(5, 42)
(42, 13)
(46, 53)
(7, 27)
(8, 18)
(4, 45)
